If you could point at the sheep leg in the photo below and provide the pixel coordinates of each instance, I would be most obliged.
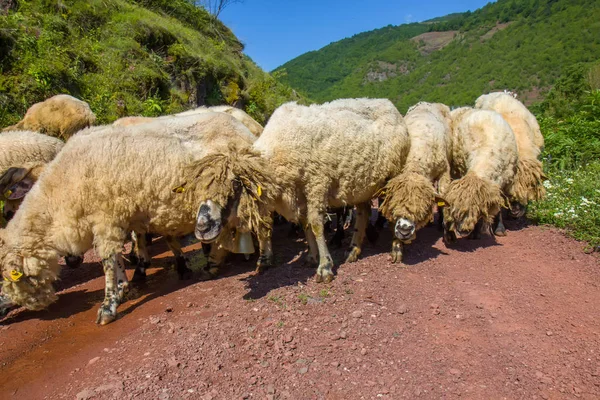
(143, 258)
(440, 221)
(311, 257)
(338, 236)
(216, 258)
(108, 310)
(265, 258)
(476, 233)
(180, 262)
(133, 254)
(122, 281)
(499, 229)
(362, 219)
(324, 271)
(397, 251)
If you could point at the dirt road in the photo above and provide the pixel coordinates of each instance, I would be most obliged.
(513, 317)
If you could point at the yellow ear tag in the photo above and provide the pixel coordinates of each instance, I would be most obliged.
(441, 204)
(178, 189)
(15, 275)
(7, 193)
(259, 191)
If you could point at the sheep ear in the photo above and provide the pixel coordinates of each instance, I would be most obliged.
(15, 183)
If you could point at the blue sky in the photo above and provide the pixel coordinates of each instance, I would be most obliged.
(276, 31)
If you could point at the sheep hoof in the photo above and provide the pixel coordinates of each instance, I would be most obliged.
(6, 305)
(73, 261)
(263, 264)
(500, 232)
(183, 271)
(352, 254)
(209, 273)
(449, 237)
(324, 277)
(324, 272)
(185, 275)
(139, 275)
(106, 314)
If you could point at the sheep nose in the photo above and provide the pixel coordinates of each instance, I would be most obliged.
(406, 226)
(203, 223)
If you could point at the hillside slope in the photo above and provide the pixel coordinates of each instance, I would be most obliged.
(520, 45)
(126, 57)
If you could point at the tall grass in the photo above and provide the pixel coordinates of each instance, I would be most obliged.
(572, 164)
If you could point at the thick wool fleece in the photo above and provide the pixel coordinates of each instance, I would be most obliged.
(484, 162)
(411, 194)
(104, 183)
(529, 179)
(335, 154)
(25, 149)
(29, 150)
(238, 114)
(60, 116)
(251, 175)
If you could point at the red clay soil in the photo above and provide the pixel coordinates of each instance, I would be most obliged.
(505, 318)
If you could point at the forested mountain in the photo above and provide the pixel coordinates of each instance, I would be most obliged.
(521, 45)
(126, 57)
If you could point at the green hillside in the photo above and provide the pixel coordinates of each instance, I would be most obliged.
(126, 57)
(522, 45)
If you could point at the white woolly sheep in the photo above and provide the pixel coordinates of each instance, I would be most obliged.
(238, 114)
(23, 156)
(484, 161)
(104, 183)
(307, 159)
(60, 116)
(528, 182)
(409, 197)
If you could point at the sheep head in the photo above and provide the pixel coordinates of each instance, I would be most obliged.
(236, 191)
(527, 186)
(27, 281)
(468, 200)
(408, 202)
(15, 183)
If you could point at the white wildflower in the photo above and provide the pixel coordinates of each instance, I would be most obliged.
(569, 180)
(548, 185)
(558, 214)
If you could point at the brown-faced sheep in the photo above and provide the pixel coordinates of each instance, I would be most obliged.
(528, 182)
(100, 186)
(23, 157)
(307, 159)
(410, 196)
(484, 161)
(60, 116)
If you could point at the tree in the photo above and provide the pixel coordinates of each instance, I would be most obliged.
(214, 7)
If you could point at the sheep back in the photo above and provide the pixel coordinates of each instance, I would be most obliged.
(340, 152)
(60, 116)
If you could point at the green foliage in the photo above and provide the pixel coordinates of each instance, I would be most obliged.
(540, 39)
(572, 202)
(572, 160)
(124, 57)
(571, 141)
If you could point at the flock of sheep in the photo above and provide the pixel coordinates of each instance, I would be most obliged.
(216, 173)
